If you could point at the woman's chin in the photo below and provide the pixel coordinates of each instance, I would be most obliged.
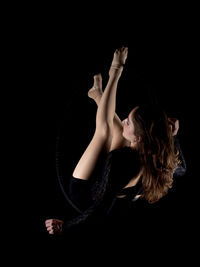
(124, 135)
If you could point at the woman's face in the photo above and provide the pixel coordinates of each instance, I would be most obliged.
(128, 128)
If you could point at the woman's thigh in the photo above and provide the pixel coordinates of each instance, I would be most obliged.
(100, 144)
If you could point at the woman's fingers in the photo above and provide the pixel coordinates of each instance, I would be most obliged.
(50, 228)
(172, 120)
(53, 226)
(48, 222)
(174, 125)
(52, 221)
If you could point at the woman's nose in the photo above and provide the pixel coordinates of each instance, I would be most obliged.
(124, 121)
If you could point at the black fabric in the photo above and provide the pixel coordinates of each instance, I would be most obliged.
(182, 167)
(80, 193)
(124, 164)
(119, 166)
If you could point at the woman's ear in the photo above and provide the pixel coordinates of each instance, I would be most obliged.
(138, 139)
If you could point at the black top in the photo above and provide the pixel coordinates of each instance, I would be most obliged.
(120, 165)
(125, 164)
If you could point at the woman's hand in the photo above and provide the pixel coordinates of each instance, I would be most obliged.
(174, 125)
(54, 226)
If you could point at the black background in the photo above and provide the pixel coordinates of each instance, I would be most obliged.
(58, 57)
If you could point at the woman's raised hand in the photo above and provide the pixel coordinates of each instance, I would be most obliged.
(174, 125)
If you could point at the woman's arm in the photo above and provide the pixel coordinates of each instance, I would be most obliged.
(181, 168)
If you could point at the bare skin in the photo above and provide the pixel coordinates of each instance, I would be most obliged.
(103, 136)
(95, 93)
(174, 125)
(105, 127)
(54, 226)
(109, 128)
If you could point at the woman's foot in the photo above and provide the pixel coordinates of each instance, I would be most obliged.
(119, 59)
(96, 91)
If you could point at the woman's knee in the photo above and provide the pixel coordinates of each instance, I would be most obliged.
(105, 133)
(105, 130)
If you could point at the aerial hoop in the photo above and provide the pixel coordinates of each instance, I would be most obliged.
(60, 172)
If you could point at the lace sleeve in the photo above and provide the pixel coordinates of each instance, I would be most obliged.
(181, 168)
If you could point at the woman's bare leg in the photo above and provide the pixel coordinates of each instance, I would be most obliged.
(96, 93)
(102, 138)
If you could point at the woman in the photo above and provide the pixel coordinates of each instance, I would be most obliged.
(138, 154)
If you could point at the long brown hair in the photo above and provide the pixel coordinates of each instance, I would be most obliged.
(157, 151)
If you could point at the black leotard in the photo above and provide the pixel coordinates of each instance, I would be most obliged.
(124, 164)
